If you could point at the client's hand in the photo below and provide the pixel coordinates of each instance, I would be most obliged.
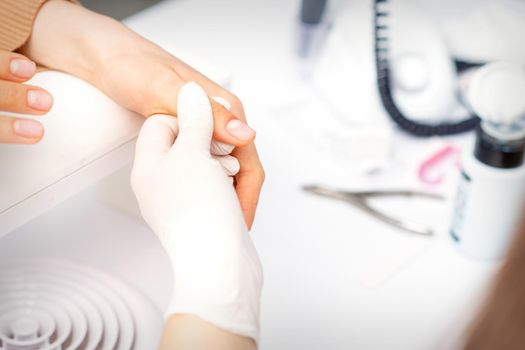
(16, 97)
(188, 199)
(140, 76)
(144, 78)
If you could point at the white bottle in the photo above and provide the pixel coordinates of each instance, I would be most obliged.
(491, 196)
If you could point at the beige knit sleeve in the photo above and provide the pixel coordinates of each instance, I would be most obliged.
(16, 21)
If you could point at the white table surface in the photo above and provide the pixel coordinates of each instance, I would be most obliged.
(334, 277)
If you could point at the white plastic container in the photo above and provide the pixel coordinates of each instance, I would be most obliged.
(489, 206)
(491, 195)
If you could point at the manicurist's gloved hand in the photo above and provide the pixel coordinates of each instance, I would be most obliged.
(187, 197)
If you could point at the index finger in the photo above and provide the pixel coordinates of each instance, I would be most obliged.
(221, 116)
(221, 121)
(249, 181)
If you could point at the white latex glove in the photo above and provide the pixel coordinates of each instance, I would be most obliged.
(187, 198)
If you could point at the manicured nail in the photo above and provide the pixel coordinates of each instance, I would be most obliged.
(22, 68)
(28, 128)
(39, 99)
(240, 130)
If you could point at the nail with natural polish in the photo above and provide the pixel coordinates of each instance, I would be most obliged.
(40, 100)
(27, 128)
(22, 68)
(239, 130)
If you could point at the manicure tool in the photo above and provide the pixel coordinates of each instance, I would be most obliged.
(360, 200)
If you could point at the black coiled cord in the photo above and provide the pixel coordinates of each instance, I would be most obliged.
(383, 83)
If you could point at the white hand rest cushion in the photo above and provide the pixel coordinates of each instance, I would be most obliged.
(83, 126)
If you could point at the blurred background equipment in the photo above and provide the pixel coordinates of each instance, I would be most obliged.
(412, 58)
(436, 72)
(419, 71)
(310, 22)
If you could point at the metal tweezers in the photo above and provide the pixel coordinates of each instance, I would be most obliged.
(360, 200)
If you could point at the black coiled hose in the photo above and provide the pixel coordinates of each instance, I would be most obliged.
(383, 83)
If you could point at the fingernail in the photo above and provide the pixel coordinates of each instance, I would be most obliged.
(40, 100)
(239, 130)
(27, 128)
(22, 68)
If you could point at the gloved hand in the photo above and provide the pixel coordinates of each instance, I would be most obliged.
(188, 199)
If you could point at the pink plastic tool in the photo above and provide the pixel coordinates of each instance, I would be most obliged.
(432, 170)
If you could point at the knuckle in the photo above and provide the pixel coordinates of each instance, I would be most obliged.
(234, 100)
(260, 175)
(5, 57)
(9, 95)
(236, 106)
(216, 108)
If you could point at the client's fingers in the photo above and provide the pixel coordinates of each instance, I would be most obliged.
(20, 98)
(249, 181)
(228, 128)
(220, 148)
(15, 67)
(19, 130)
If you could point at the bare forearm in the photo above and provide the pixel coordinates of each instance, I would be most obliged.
(185, 332)
(70, 38)
(73, 39)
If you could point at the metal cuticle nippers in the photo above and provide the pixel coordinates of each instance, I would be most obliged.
(360, 200)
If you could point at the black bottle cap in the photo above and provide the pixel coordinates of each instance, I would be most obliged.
(498, 153)
(312, 11)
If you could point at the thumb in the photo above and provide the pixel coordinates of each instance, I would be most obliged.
(156, 137)
(195, 118)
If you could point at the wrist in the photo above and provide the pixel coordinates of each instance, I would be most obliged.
(220, 282)
(73, 39)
